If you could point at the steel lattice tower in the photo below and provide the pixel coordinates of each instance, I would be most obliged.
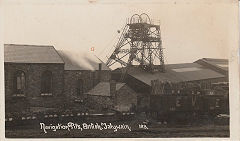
(140, 43)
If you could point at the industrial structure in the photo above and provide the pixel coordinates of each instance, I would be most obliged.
(139, 51)
(139, 44)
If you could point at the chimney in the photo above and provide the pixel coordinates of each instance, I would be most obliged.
(113, 88)
(99, 72)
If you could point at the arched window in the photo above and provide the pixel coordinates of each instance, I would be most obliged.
(19, 83)
(46, 83)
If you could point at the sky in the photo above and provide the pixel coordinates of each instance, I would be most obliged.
(190, 30)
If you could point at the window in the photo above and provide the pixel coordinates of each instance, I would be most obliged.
(46, 83)
(79, 86)
(19, 83)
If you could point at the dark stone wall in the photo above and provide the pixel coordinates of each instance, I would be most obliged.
(89, 78)
(105, 75)
(125, 98)
(99, 103)
(33, 75)
(64, 85)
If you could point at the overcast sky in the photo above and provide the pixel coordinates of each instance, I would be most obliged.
(190, 30)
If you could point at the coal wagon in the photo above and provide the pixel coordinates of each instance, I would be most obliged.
(188, 105)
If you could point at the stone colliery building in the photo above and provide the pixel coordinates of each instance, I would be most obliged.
(33, 77)
(39, 78)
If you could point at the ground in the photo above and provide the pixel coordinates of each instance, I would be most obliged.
(155, 130)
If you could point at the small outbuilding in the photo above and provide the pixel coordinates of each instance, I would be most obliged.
(112, 95)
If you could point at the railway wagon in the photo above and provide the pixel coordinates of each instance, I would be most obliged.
(186, 107)
(215, 104)
(171, 107)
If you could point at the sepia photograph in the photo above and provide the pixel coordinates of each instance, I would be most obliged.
(118, 69)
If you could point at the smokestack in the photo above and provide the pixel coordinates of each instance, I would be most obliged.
(99, 72)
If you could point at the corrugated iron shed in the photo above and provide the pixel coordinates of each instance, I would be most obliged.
(176, 73)
(14, 53)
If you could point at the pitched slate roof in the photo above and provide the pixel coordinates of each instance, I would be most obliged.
(76, 60)
(176, 73)
(103, 89)
(15, 53)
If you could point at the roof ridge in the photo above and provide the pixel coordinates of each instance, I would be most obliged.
(27, 45)
(216, 59)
